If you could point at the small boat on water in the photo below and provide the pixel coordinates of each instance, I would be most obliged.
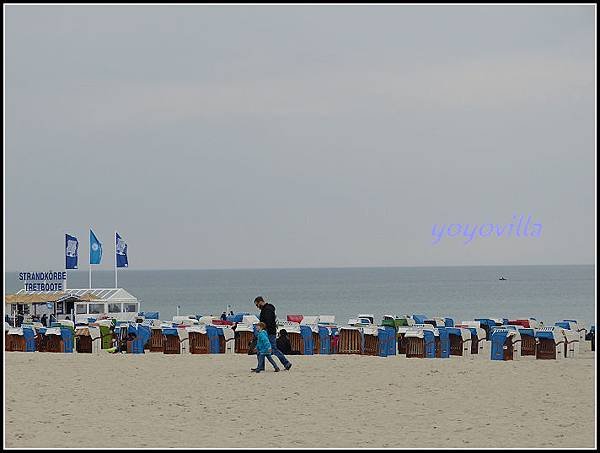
(502, 278)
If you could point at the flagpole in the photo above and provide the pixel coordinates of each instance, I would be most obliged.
(90, 261)
(116, 259)
(66, 272)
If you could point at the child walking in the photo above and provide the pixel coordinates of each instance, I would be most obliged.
(263, 349)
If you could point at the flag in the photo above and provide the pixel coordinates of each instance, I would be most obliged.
(95, 249)
(121, 250)
(71, 247)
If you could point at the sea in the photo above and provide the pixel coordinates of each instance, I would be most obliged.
(546, 293)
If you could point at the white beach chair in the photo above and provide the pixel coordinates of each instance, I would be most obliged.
(552, 345)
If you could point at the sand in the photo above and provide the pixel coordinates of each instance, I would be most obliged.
(202, 401)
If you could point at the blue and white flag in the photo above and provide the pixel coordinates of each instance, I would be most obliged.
(71, 248)
(121, 250)
(95, 249)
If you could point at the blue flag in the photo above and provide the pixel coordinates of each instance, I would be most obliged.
(121, 250)
(71, 248)
(95, 249)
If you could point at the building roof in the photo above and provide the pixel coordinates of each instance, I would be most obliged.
(39, 297)
(84, 295)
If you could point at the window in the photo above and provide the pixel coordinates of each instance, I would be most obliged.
(59, 308)
(130, 308)
(114, 308)
(81, 309)
(96, 309)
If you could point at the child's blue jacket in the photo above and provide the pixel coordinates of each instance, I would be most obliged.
(262, 343)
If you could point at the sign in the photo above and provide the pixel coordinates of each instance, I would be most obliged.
(49, 305)
(43, 281)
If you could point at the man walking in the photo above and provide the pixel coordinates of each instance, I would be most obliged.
(267, 315)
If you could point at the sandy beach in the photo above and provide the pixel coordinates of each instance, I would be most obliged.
(201, 401)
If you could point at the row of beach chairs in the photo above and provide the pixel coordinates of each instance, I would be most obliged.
(415, 336)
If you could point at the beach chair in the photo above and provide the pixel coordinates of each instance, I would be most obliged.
(206, 320)
(327, 319)
(419, 319)
(476, 334)
(350, 340)
(420, 341)
(297, 335)
(171, 343)
(15, 340)
(387, 341)
(198, 339)
(591, 337)
(550, 343)
(325, 334)
(366, 318)
(401, 339)
(571, 324)
(87, 339)
(371, 340)
(216, 340)
(237, 317)
(528, 343)
(106, 334)
(415, 343)
(311, 322)
(244, 334)
(142, 334)
(505, 344)
(460, 341)
(295, 318)
(188, 320)
(442, 343)
(571, 343)
(334, 339)
(54, 341)
(157, 339)
(487, 325)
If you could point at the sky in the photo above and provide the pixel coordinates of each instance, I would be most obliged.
(269, 136)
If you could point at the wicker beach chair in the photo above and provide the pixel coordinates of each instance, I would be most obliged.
(371, 341)
(550, 343)
(199, 341)
(157, 340)
(350, 340)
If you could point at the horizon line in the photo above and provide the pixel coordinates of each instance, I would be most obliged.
(315, 267)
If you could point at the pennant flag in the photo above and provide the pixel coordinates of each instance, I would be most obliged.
(71, 247)
(95, 249)
(121, 250)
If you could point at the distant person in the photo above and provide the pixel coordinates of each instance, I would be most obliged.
(121, 343)
(267, 315)
(284, 344)
(19, 320)
(44, 320)
(230, 312)
(223, 316)
(252, 346)
(263, 349)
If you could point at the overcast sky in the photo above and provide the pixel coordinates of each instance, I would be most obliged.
(298, 136)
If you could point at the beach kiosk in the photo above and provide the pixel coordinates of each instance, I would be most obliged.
(81, 303)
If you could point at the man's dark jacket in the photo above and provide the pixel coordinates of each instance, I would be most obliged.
(267, 315)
